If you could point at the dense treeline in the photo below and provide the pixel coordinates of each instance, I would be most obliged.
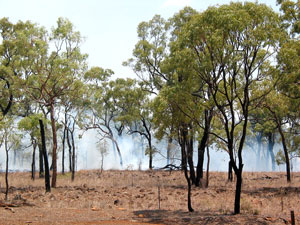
(223, 78)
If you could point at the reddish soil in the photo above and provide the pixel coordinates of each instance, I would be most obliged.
(131, 197)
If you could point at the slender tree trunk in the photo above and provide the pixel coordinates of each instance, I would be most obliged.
(63, 151)
(70, 150)
(207, 167)
(190, 208)
(6, 169)
(44, 150)
(33, 160)
(150, 153)
(182, 142)
(54, 137)
(115, 144)
(41, 161)
(190, 154)
(286, 154)
(73, 155)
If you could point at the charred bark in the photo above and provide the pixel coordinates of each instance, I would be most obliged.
(230, 176)
(44, 150)
(41, 161)
(207, 167)
(34, 145)
(54, 139)
(286, 154)
(6, 170)
(202, 145)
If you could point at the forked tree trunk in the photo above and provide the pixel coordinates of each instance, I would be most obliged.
(184, 167)
(202, 145)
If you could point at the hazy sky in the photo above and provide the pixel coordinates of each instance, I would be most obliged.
(108, 26)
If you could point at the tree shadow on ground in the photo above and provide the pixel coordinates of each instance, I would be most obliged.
(181, 217)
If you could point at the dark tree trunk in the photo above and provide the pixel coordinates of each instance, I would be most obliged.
(70, 150)
(33, 160)
(54, 138)
(238, 190)
(201, 152)
(182, 142)
(41, 161)
(44, 150)
(150, 152)
(150, 159)
(189, 190)
(286, 154)
(207, 167)
(202, 145)
(230, 176)
(6, 171)
(63, 150)
(73, 155)
(190, 154)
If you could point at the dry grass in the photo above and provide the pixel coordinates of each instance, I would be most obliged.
(131, 197)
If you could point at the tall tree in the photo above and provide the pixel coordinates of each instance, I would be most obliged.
(135, 111)
(19, 46)
(11, 140)
(101, 111)
(231, 45)
(56, 75)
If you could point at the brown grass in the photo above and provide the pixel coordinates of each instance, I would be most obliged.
(131, 197)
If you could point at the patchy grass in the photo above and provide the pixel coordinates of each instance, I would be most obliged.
(131, 197)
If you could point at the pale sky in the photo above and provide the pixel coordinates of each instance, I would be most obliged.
(109, 27)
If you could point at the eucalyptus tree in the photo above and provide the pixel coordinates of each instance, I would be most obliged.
(149, 53)
(56, 74)
(195, 102)
(30, 125)
(101, 110)
(20, 44)
(10, 139)
(291, 15)
(72, 108)
(231, 45)
(278, 107)
(135, 111)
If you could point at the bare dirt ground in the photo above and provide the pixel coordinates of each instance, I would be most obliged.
(131, 197)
